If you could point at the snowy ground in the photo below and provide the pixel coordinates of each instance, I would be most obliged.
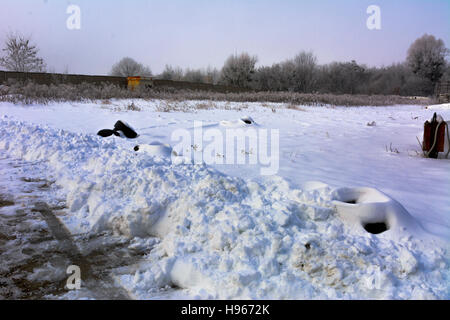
(36, 249)
(226, 231)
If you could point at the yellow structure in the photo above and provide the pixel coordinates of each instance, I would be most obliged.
(134, 82)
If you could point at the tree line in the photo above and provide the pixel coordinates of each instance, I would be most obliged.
(426, 65)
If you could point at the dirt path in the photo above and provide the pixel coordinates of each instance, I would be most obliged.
(36, 248)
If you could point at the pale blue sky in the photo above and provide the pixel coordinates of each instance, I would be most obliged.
(198, 33)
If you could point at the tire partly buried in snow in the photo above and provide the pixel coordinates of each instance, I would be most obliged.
(370, 210)
(107, 132)
(126, 129)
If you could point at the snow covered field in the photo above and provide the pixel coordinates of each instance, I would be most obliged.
(226, 231)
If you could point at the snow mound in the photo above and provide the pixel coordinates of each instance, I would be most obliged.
(227, 238)
(156, 149)
(242, 122)
(444, 106)
(313, 185)
(373, 211)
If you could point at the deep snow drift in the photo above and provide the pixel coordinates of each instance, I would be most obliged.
(242, 236)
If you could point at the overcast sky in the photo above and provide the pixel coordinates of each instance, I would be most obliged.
(198, 33)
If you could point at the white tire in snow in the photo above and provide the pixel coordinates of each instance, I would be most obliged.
(370, 210)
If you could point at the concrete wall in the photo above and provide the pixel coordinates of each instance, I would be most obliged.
(57, 78)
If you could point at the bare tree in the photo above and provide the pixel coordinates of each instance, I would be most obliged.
(446, 75)
(21, 55)
(128, 67)
(212, 75)
(426, 57)
(170, 73)
(341, 77)
(267, 78)
(239, 70)
(193, 75)
(304, 72)
(298, 74)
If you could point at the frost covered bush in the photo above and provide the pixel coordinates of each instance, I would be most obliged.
(239, 70)
(128, 67)
(29, 93)
(133, 107)
(293, 98)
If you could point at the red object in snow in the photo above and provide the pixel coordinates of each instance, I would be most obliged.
(429, 134)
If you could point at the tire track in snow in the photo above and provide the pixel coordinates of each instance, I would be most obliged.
(37, 248)
(103, 288)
